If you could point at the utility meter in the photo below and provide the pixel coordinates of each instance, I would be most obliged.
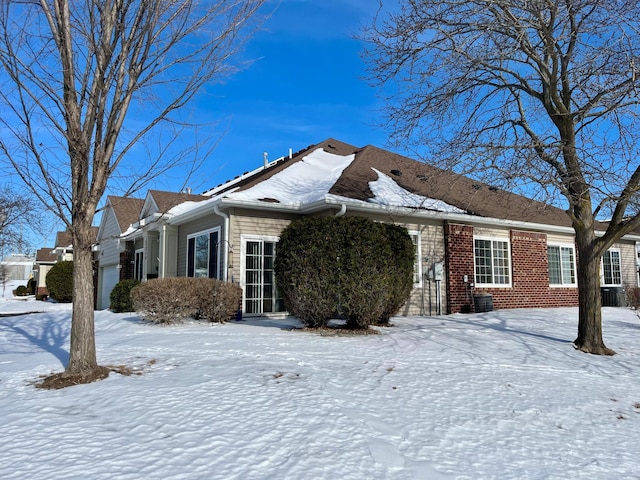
(438, 271)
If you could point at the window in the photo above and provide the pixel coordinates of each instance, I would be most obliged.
(138, 265)
(202, 254)
(562, 265)
(611, 268)
(260, 294)
(417, 264)
(493, 266)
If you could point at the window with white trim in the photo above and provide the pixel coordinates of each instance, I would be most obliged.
(417, 263)
(492, 262)
(562, 265)
(611, 273)
(260, 293)
(202, 254)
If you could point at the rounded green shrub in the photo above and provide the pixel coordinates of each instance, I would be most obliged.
(59, 281)
(400, 264)
(304, 266)
(22, 291)
(120, 297)
(350, 267)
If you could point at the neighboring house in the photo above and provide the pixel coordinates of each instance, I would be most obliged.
(114, 261)
(470, 237)
(45, 258)
(64, 248)
(125, 248)
(16, 267)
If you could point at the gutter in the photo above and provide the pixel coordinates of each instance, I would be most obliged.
(365, 207)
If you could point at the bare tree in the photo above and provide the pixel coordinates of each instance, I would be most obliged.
(18, 214)
(84, 85)
(542, 92)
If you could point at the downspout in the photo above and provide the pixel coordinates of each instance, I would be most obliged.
(162, 251)
(225, 241)
(343, 210)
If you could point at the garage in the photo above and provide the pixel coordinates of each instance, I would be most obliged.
(110, 276)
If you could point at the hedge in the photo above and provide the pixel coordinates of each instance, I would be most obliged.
(176, 299)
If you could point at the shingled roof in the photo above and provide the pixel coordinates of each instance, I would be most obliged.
(419, 178)
(165, 201)
(126, 210)
(472, 196)
(46, 255)
(330, 145)
(64, 239)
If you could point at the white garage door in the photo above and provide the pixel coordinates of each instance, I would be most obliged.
(110, 276)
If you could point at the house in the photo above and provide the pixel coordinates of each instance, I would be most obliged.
(16, 267)
(470, 238)
(64, 245)
(45, 258)
(123, 238)
(63, 249)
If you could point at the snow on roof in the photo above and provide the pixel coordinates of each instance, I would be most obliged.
(310, 180)
(186, 207)
(303, 182)
(387, 192)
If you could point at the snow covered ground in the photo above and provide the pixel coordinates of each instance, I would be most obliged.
(496, 395)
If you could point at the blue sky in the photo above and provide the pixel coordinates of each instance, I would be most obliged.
(305, 84)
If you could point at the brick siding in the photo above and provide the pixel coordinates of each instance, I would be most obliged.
(126, 264)
(530, 273)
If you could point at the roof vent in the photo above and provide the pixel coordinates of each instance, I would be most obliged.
(493, 189)
(422, 176)
(396, 172)
(476, 186)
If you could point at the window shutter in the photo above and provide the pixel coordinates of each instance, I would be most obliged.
(191, 246)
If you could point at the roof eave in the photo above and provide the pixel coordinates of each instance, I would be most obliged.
(359, 206)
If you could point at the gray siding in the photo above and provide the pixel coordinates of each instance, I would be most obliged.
(628, 263)
(109, 233)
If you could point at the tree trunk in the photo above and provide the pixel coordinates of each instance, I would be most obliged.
(82, 356)
(590, 310)
(83, 366)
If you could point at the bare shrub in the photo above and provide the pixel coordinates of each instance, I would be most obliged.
(633, 297)
(176, 299)
(216, 301)
(162, 300)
